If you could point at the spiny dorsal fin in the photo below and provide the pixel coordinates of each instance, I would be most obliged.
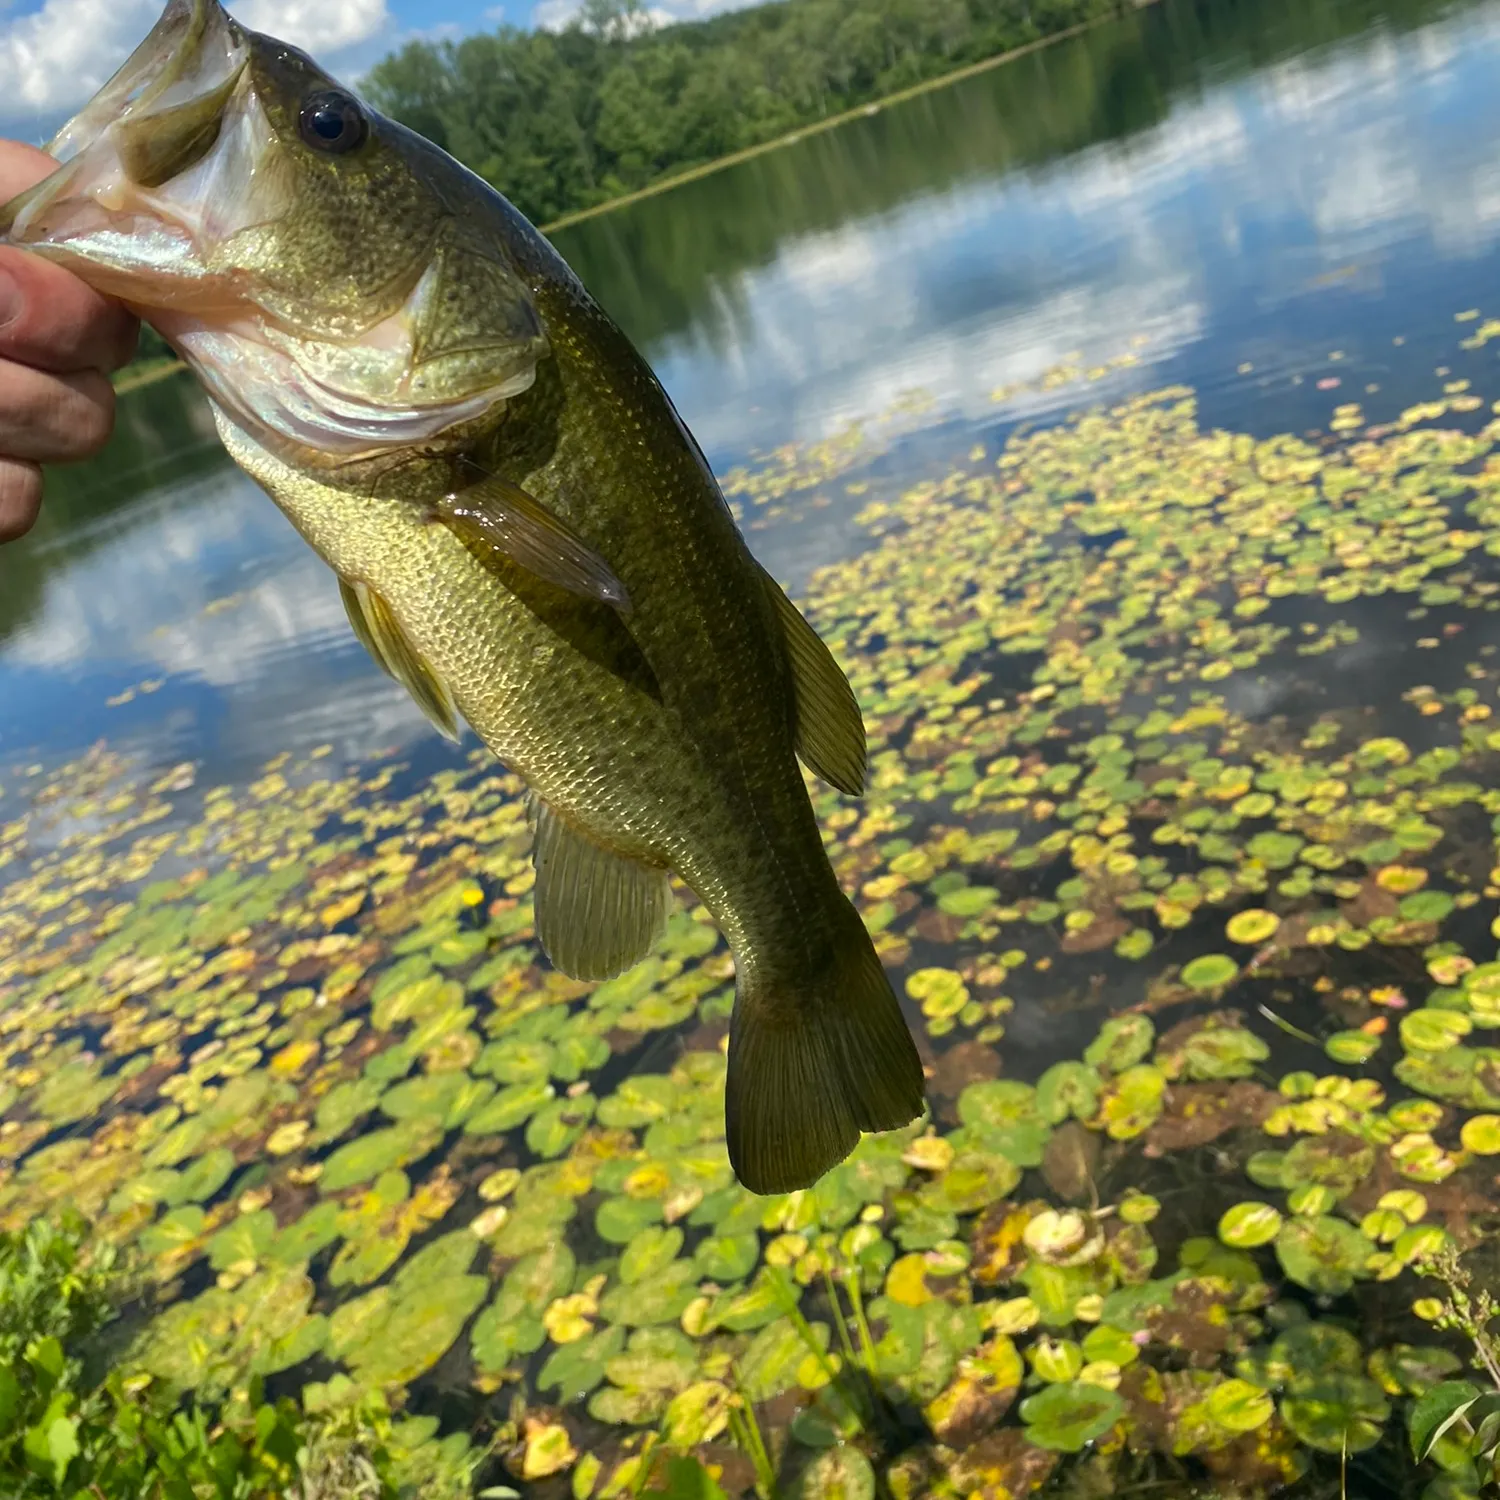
(501, 516)
(597, 912)
(382, 636)
(830, 731)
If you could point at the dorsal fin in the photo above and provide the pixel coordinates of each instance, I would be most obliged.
(830, 731)
(597, 912)
(496, 514)
(382, 636)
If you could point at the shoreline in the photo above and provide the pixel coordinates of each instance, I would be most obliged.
(155, 373)
(844, 117)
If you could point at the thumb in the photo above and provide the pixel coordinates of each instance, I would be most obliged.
(21, 166)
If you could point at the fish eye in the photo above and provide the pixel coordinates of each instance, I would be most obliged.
(332, 122)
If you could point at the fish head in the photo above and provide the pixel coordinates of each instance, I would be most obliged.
(320, 266)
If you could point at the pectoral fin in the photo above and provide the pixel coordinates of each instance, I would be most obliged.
(501, 516)
(597, 912)
(382, 636)
(830, 731)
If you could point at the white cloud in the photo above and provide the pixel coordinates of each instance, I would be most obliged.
(54, 59)
(321, 27)
(553, 15)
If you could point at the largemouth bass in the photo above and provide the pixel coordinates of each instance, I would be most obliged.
(525, 534)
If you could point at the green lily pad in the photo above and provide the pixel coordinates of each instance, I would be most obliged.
(1240, 1406)
(660, 1299)
(572, 1370)
(1068, 1088)
(649, 1252)
(841, 1473)
(1335, 1161)
(1215, 1052)
(1434, 1030)
(1481, 1135)
(769, 1366)
(1210, 972)
(1122, 1042)
(1323, 1253)
(344, 1104)
(619, 1220)
(638, 1101)
(1249, 1224)
(299, 1241)
(727, 1258)
(1132, 1101)
(1339, 1413)
(369, 1155)
(1253, 926)
(1353, 1047)
(1069, 1416)
(1426, 906)
(393, 1334)
(972, 1180)
(199, 1182)
(998, 1103)
(512, 1106)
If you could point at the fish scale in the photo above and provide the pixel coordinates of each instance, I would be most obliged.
(525, 533)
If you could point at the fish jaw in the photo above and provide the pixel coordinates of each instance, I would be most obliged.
(148, 242)
(172, 186)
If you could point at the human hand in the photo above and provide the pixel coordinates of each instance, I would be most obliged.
(58, 341)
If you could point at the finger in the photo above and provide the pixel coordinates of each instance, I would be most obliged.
(20, 497)
(54, 418)
(50, 319)
(21, 166)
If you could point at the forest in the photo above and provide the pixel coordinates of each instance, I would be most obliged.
(565, 120)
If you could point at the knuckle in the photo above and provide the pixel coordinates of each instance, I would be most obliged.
(93, 417)
(20, 497)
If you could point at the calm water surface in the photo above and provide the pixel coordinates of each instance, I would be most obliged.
(1264, 204)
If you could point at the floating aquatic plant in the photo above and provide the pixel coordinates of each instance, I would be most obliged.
(292, 1045)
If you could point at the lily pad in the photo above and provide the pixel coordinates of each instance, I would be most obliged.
(1210, 972)
(369, 1155)
(1069, 1416)
(1323, 1254)
(1249, 1224)
(841, 1473)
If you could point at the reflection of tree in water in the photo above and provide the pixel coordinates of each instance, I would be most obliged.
(163, 434)
(667, 265)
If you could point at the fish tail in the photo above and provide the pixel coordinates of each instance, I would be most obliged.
(816, 1057)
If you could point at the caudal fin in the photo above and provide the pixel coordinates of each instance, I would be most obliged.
(814, 1059)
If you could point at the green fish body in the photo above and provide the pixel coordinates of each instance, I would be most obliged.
(525, 535)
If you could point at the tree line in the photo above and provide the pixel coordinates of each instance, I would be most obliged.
(565, 120)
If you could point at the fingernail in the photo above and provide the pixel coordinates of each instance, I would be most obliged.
(10, 299)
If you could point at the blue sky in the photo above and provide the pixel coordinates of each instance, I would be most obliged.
(55, 53)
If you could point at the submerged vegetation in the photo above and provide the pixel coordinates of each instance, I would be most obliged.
(1184, 842)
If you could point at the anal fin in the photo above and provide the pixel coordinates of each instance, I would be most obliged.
(597, 912)
(380, 633)
(830, 730)
(496, 515)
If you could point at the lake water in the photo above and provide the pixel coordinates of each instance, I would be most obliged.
(1246, 187)
(1124, 416)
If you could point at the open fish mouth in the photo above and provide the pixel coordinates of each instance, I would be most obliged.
(148, 167)
(186, 188)
(194, 49)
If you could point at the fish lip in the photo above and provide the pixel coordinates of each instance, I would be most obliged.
(160, 59)
(167, 55)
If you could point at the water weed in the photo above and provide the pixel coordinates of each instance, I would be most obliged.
(1184, 845)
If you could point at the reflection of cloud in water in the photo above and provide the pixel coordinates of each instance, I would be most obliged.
(281, 652)
(1356, 146)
